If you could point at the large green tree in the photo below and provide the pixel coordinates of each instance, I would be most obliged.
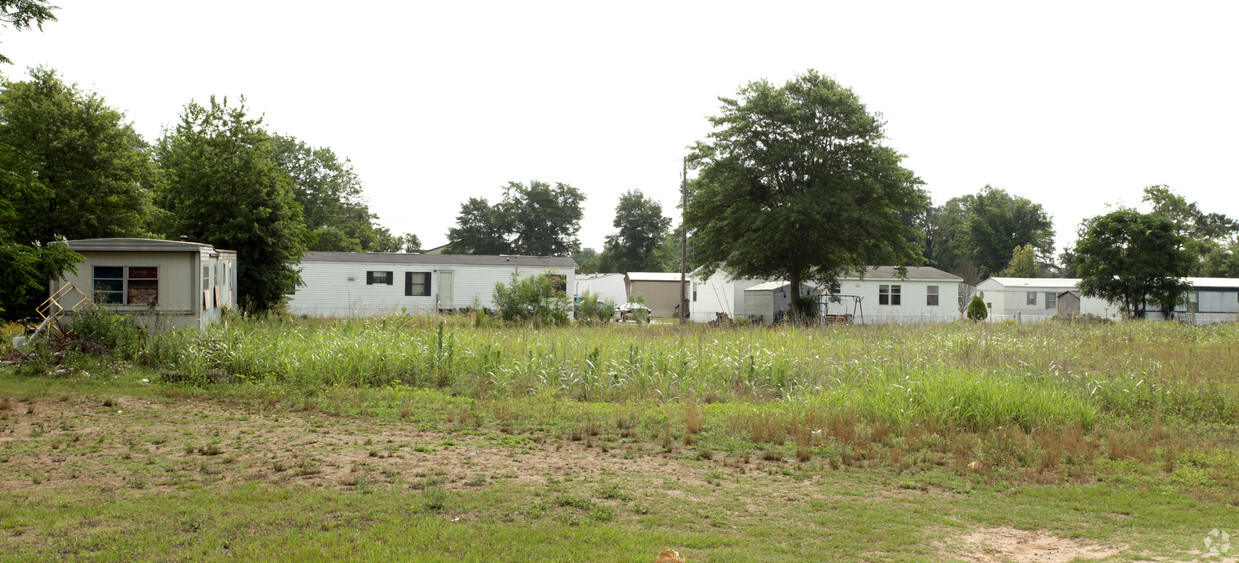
(1207, 234)
(537, 219)
(1133, 259)
(481, 228)
(81, 170)
(796, 183)
(641, 230)
(979, 230)
(998, 222)
(225, 187)
(332, 201)
(1023, 263)
(545, 218)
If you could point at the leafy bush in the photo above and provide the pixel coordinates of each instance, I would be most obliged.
(101, 331)
(639, 314)
(592, 311)
(532, 299)
(977, 311)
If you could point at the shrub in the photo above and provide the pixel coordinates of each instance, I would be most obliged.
(98, 330)
(592, 311)
(977, 311)
(532, 299)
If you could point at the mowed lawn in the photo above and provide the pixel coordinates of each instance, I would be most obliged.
(444, 439)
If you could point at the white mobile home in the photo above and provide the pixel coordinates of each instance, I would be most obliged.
(161, 282)
(923, 295)
(719, 293)
(1211, 300)
(359, 284)
(606, 286)
(1036, 299)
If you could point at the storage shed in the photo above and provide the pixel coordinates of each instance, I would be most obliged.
(360, 284)
(767, 303)
(170, 283)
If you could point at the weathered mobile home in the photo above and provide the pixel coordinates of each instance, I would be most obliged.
(160, 282)
(358, 284)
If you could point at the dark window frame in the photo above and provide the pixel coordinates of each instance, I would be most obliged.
(372, 278)
(128, 283)
(409, 285)
(890, 294)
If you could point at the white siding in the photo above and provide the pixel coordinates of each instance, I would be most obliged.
(607, 286)
(339, 289)
(913, 304)
(718, 294)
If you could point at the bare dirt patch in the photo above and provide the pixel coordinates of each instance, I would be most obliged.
(135, 443)
(1009, 544)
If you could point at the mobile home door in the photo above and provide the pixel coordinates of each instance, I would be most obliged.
(445, 290)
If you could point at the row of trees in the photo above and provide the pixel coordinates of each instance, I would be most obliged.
(71, 167)
(539, 219)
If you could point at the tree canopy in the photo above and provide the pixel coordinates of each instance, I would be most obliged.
(982, 229)
(795, 183)
(1134, 260)
(1023, 263)
(225, 187)
(332, 201)
(641, 231)
(535, 220)
(1208, 235)
(84, 171)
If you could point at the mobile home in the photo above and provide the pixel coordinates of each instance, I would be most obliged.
(177, 284)
(360, 284)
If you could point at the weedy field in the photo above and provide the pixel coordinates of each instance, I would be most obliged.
(437, 438)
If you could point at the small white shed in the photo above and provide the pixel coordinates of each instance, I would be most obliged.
(768, 302)
(361, 284)
(171, 283)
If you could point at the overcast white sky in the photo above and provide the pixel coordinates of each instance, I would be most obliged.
(1074, 105)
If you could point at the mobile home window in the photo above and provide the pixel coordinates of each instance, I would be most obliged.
(931, 295)
(1051, 300)
(559, 282)
(378, 278)
(1031, 297)
(417, 283)
(888, 295)
(126, 285)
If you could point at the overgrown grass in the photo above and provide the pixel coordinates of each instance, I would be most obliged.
(833, 391)
(970, 375)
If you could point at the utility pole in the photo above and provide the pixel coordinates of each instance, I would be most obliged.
(683, 244)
